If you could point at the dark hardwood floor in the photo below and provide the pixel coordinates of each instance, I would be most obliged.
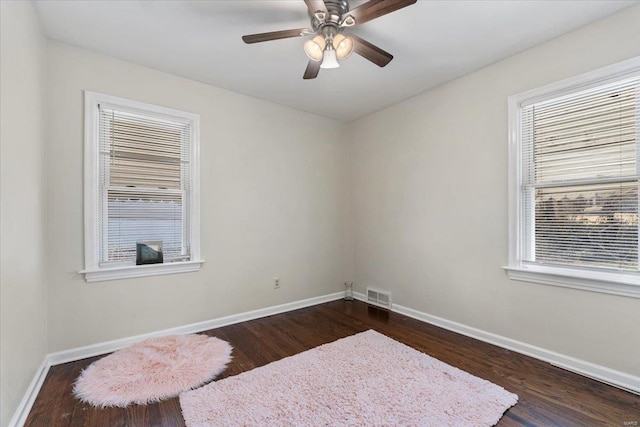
(548, 396)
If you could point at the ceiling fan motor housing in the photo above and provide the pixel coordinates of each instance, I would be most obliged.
(336, 9)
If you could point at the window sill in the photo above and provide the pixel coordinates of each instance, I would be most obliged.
(623, 284)
(129, 271)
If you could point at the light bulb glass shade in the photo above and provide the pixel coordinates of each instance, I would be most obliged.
(343, 46)
(329, 58)
(314, 48)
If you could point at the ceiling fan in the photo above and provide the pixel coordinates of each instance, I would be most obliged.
(329, 18)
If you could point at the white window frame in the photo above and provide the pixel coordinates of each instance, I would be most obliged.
(590, 279)
(93, 272)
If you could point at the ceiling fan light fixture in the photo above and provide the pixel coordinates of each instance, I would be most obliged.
(314, 48)
(329, 59)
(343, 46)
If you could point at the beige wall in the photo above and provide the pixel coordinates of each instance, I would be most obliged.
(430, 205)
(273, 203)
(23, 304)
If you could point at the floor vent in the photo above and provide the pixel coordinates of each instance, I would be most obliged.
(379, 298)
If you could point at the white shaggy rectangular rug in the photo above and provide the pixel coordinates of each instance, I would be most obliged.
(366, 379)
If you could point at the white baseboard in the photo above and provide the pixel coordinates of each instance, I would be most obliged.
(109, 346)
(21, 414)
(600, 373)
(79, 353)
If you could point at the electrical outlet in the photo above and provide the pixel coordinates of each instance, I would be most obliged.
(276, 283)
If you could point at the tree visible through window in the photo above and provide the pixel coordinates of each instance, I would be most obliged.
(581, 187)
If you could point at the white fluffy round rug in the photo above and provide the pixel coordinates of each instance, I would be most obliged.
(152, 370)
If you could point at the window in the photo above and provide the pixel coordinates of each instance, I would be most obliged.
(141, 185)
(574, 179)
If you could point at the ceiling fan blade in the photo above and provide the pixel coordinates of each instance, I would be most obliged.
(371, 52)
(313, 68)
(315, 5)
(376, 8)
(274, 35)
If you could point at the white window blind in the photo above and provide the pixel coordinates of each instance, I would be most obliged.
(143, 184)
(579, 183)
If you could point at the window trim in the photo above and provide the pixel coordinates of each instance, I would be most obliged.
(590, 279)
(92, 271)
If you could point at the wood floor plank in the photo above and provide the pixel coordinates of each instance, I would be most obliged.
(548, 395)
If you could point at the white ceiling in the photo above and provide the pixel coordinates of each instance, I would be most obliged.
(432, 42)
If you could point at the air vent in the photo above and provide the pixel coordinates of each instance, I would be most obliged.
(379, 298)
